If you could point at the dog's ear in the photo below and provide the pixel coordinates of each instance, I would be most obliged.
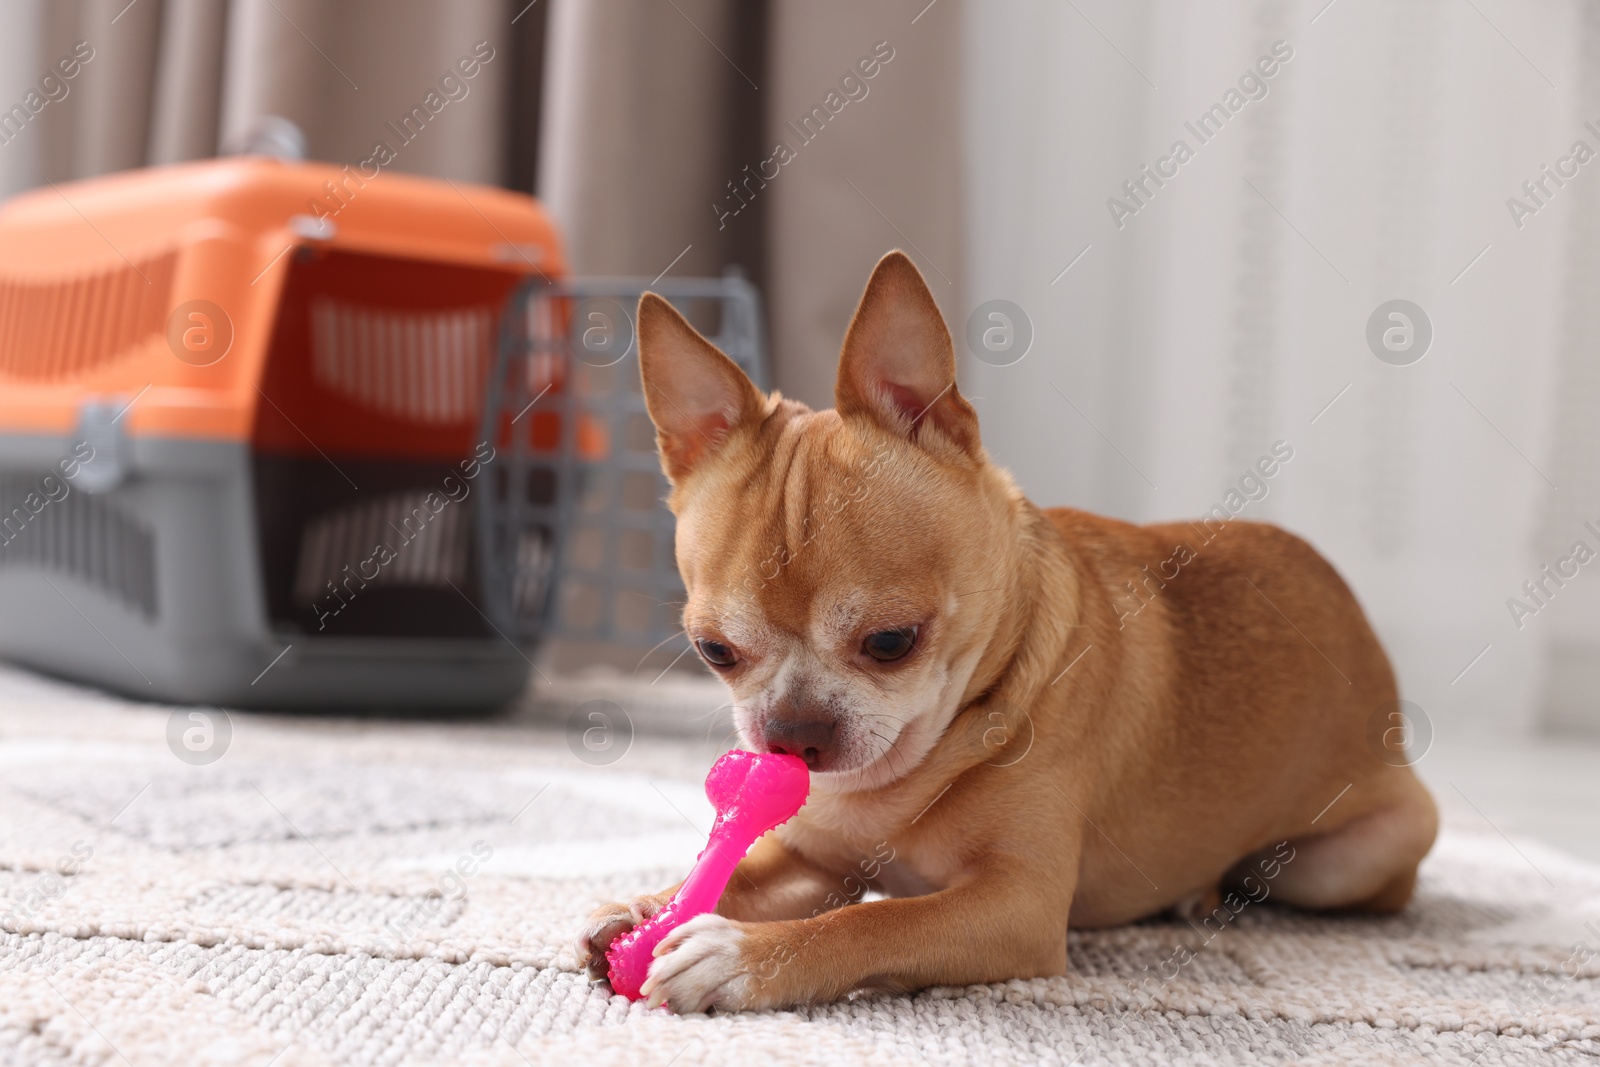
(694, 393)
(898, 365)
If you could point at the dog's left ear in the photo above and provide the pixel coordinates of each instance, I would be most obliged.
(898, 365)
(696, 396)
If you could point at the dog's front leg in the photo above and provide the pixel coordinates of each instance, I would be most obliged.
(1006, 921)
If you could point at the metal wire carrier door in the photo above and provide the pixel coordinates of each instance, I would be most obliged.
(574, 537)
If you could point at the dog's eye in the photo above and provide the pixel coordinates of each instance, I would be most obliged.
(888, 645)
(716, 653)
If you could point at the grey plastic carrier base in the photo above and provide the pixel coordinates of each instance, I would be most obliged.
(166, 565)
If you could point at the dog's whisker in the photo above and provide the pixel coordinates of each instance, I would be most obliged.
(894, 745)
(647, 655)
(720, 708)
(891, 751)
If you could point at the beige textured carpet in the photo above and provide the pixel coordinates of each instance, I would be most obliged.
(290, 904)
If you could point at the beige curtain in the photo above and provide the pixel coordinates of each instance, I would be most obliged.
(96, 121)
(883, 173)
(651, 111)
(188, 91)
(173, 80)
(642, 119)
(344, 71)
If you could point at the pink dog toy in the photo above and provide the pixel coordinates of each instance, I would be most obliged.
(752, 792)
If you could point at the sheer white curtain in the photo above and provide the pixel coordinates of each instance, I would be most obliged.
(1229, 309)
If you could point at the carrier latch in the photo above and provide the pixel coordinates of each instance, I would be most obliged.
(100, 425)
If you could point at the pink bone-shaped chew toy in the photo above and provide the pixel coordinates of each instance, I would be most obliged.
(752, 792)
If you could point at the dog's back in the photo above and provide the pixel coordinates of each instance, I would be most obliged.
(1267, 741)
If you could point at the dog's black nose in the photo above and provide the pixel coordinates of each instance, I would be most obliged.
(811, 739)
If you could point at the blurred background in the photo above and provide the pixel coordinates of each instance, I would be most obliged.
(1374, 249)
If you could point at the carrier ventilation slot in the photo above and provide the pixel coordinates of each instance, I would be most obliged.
(394, 541)
(79, 536)
(66, 326)
(427, 367)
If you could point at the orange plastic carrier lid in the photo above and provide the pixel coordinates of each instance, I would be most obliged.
(165, 287)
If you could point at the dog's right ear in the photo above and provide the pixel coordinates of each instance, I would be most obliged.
(696, 396)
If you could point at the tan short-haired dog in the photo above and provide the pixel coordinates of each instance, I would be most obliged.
(997, 748)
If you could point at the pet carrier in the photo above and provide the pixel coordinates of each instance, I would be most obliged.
(285, 435)
(239, 403)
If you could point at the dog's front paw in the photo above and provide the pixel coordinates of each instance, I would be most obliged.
(701, 965)
(609, 922)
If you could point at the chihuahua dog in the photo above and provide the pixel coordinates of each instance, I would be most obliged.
(997, 751)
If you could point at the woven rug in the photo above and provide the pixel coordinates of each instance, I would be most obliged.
(365, 891)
